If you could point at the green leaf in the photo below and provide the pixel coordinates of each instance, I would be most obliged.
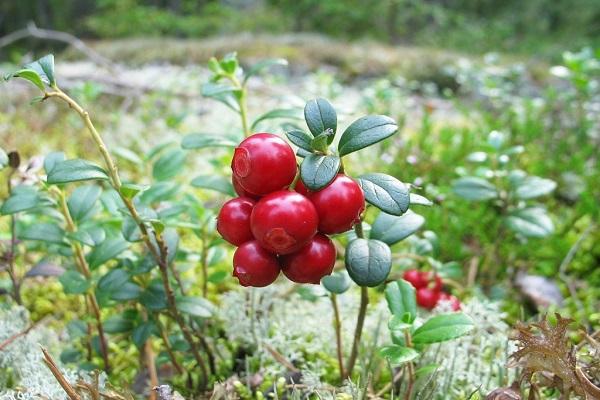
(171, 238)
(441, 328)
(29, 75)
(300, 139)
(534, 186)
(82, 200)
(531, 222)
(474, 188)
(154, 298)
(418, 200)
(24, 198)
(368, 261)
(89, 235)
(337, 283)
(317, 170)
(75, 170)
(385, 192)
(320, 116)
(128, 155)
(391, 229)
(45, 68)
(46, 232)
(229, 63)
(401, 299)
(74, 283)
(366, 131)
(287, 113)
(398, 355)
(52, 159)
(127, 291)
(223, 93)
(169, 165)
(130, 190)
(195, 306)
(262, 65)
(113, 279)
(118, 324)
(71, 355)
(320, 142)
(142, 333)
(203, 140)
(106, 251)
(3, 159)
(160, 191)
(214, 182)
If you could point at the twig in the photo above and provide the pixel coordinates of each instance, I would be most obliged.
(16, 285)
(33, 31)
(14, 337)
(360, 321)
(280, 358)
(151, 366)
(59, 376)
(337, 324)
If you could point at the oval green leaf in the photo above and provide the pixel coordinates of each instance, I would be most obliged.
(74, 171)
(391, 229)
(368, 261)
(320, 116)
(202, 140)
(300, 139)
(534, 186)
(385, 192)
(398, 355)
(531, 222)
(366, 131)
(317, 170)
(82, 200)
(401, 299)
(474, 188)
(441, 328)
(214, 182)
(337, 283)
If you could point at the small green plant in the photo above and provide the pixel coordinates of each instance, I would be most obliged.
(409, 339)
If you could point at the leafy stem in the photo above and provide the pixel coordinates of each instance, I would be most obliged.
(337, 325)
(241, 99)
(159, 252)
(410, 366)
(16, 284)
(84, 269)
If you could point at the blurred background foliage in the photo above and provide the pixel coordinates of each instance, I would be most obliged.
(541, 27)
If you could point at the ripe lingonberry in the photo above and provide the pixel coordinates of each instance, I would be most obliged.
(283, 221)
(254, 266)
(415, 278)
(339, 205)
(240, 190)
(303, 190)
(264, 163)
(233, 221)
(312, 262)
(427, 298)
(433, 279)
(454, 302)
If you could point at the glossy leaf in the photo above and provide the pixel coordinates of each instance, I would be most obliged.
(441, 328)
(29, 75)
(531, 222)
(82, 200)
(154, 297)
(52, 159)
(398, 355)
(401, 299)
(418, 200)
(262, 65)
(75, 170)
(169, 165)
(300, 139)
(142, 333)
(118, 324)
(45, 69)
(368, 261)
(286, 113)
(24, 198)
(534, 186)
(45, 232)
(195, 306)
(317, 170)
(391, 229)
(474, 188)
(106, 251)
(214, 182)
(203, 140)
(320, 116)
(385, 192)
(338, 282)
(366, 131)
(74, 283)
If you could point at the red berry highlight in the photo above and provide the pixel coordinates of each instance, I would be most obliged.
(339, 205)
(415, 278)
(264, 163)
(254, 266)
(312, 262)
(283, 221)
(233, 221)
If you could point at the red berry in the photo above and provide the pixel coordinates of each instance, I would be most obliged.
(415, 278)
(427, 298)
(283, 222)
(303, 190)
(264, 163)
(433, 280)
(233, 221)
(339, 205)
(254, 266)
(240, 190)
(454, 302)
(311, 262)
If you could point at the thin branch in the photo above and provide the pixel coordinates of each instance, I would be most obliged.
(337, 324)
(151, 366)
(59, 376)
(14, 337)
(360, 321)
(280, 358)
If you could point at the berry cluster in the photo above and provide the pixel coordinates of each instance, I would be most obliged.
(429, 289)
(279, 227)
